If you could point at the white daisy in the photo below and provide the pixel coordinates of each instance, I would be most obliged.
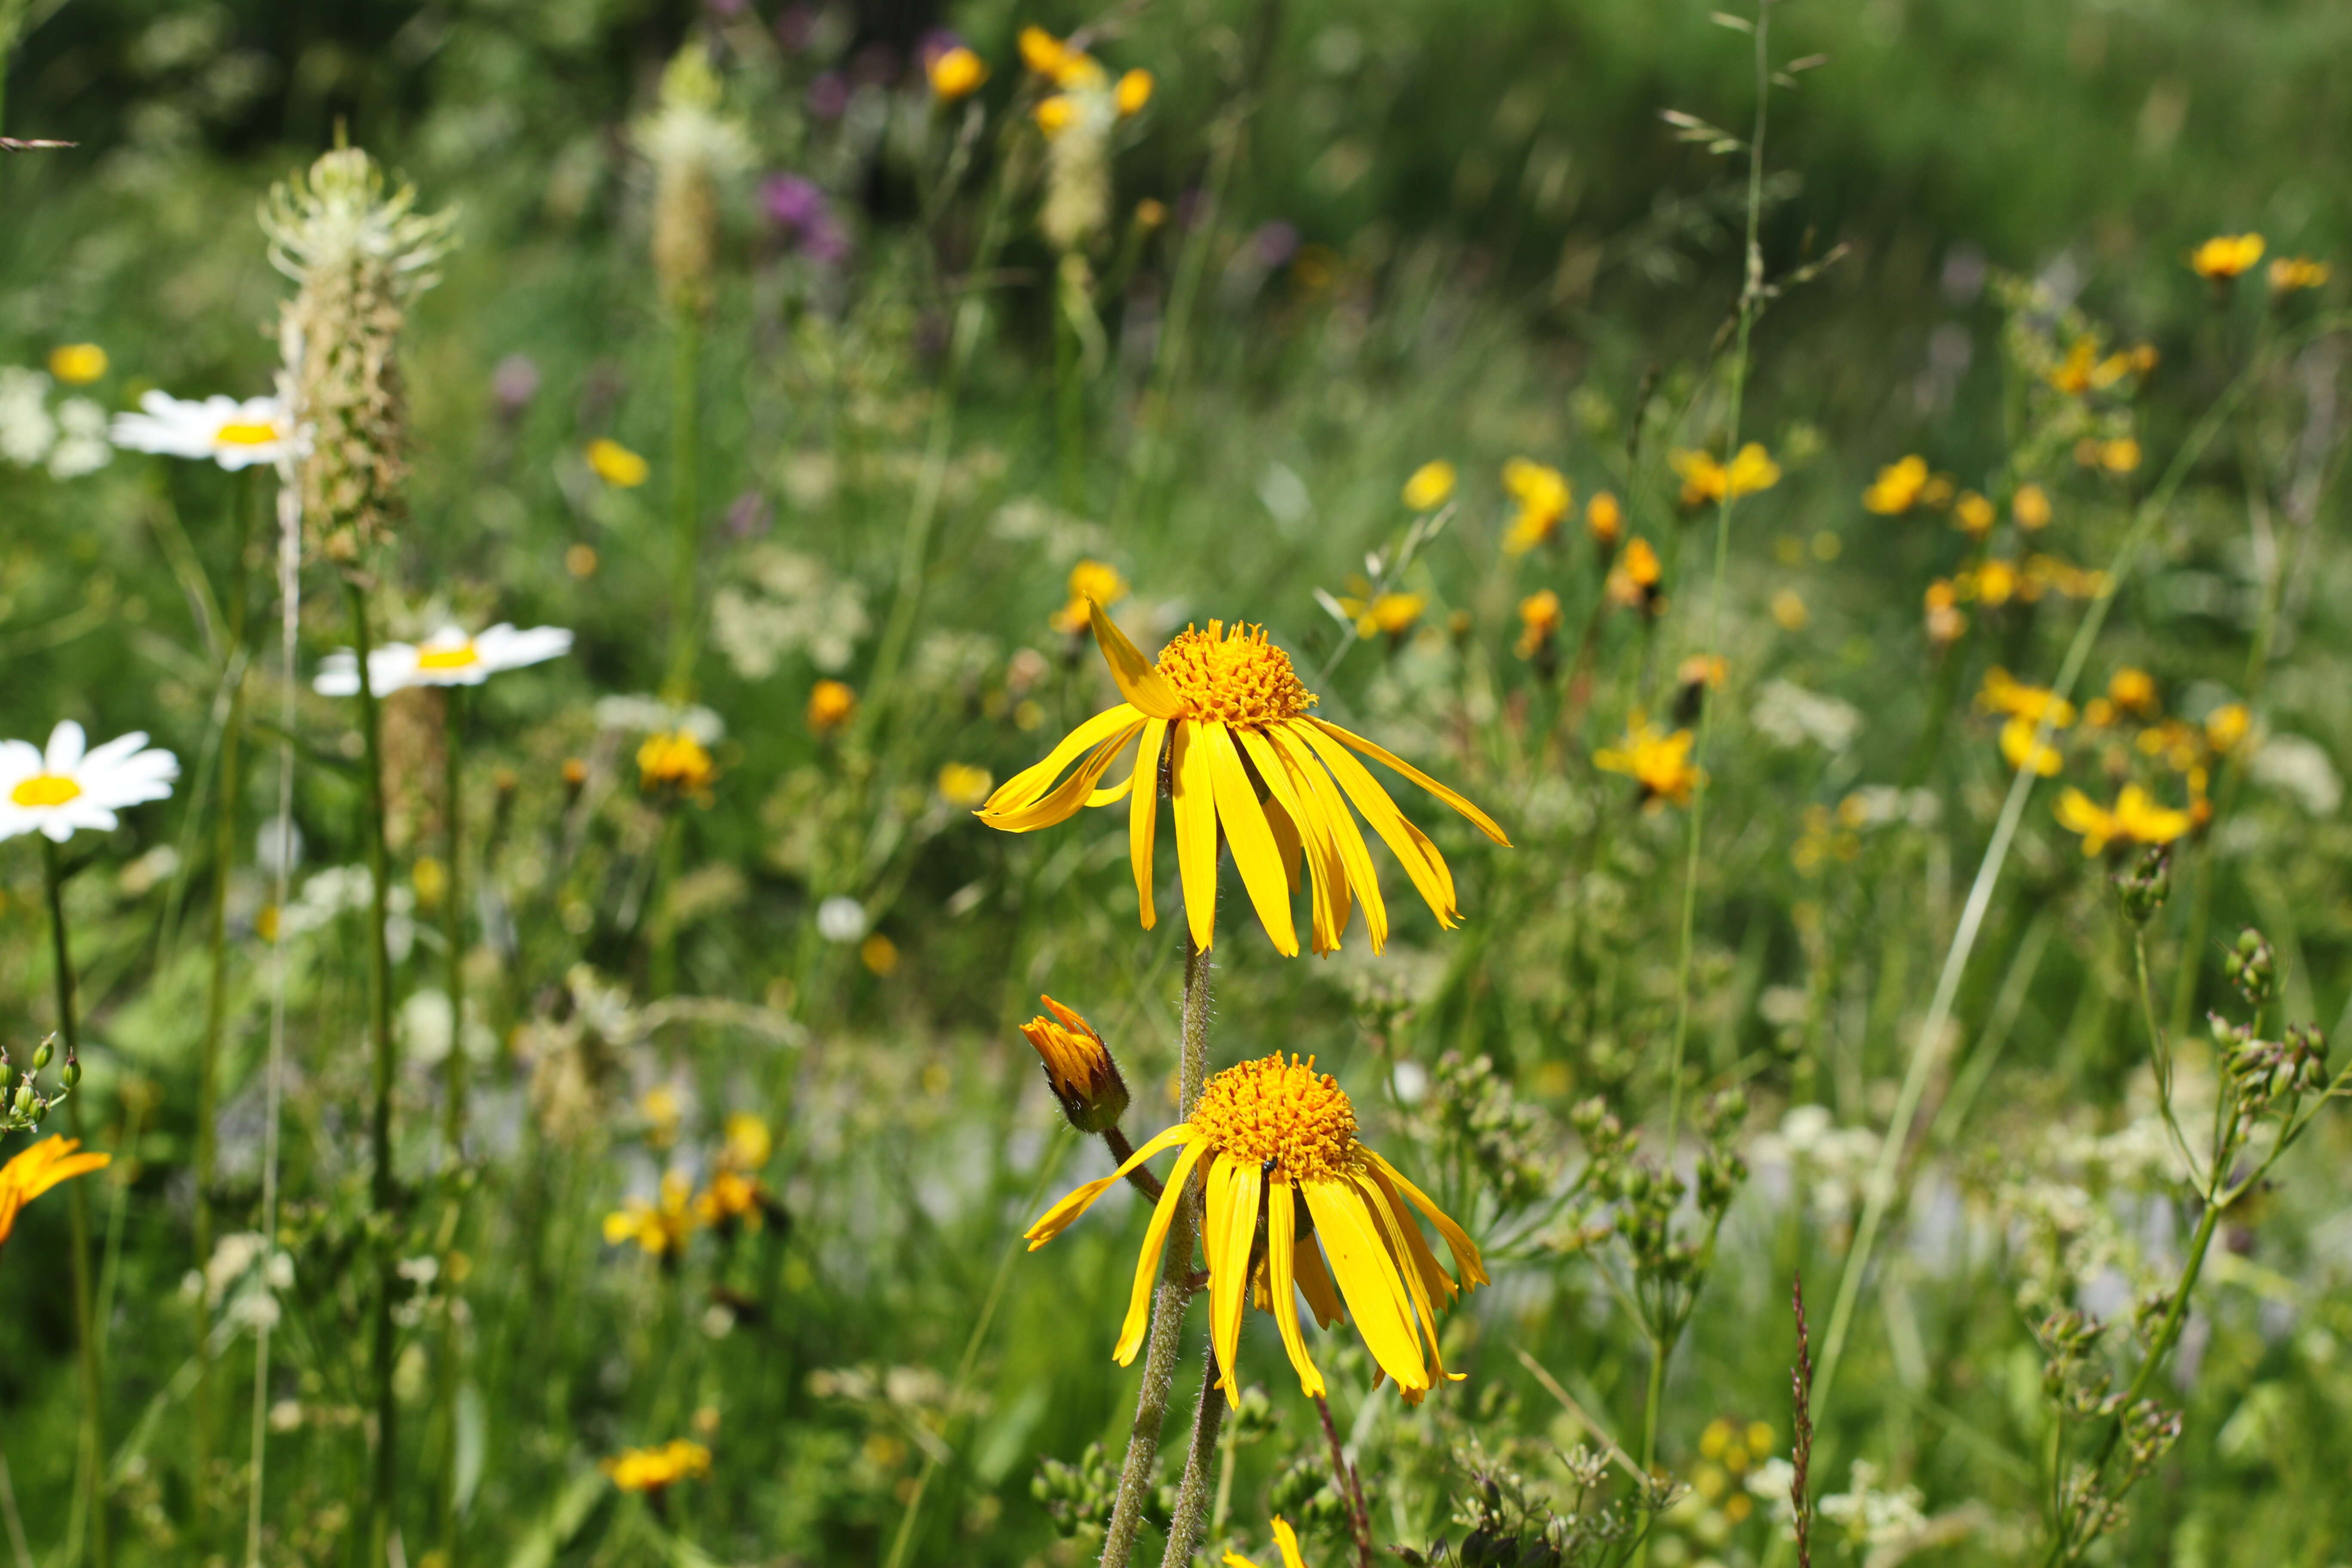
(447, 657)
(70, 787)
(232, 434)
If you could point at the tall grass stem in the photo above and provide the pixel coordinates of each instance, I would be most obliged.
(89, 1489)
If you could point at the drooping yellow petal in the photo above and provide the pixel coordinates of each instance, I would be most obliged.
(1111, 795)
(1380, 754)
(1286, 844)
(1193, 796)
(1467, 1265)
(1411, 847)
(1060, 1217)
(1308, 838)
(1328, 807)
(1063, 800)
(1393, 1227)
(1375, 1295)
(1439, 1284)
(1315, 1284)
(1143, 813)
(1155, 1238)
(1228, 1281)
(1255, 854)
(1285, 1540)
(1281, 1253)
(1138, 682)
(1024, 788)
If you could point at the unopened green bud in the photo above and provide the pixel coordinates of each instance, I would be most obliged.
(42, 1052)
(72, 1074)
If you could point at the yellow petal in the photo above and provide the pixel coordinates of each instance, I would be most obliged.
(1394, 1227)
(1411, 847)
(1287, 1540)
(1286, 845)
(1327, 807)
(1255, 854)
(1143, 813)
(1315, 1284)
(1155, 1238)
(1483, 823)
(1024, 788)
(1193, 796)
(1281, 1253)
(1291, 813)
(1066, 798)
(1467, 1265)
(1439, 1285)
(1228, 1280)
(1059, 1218)
(1111, 795)
(1138, 682)
(1368, 1280)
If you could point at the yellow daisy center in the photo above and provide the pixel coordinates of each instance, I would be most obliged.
(1236, 679)
(44, 789)
(1280, 1114)
(459, 658)
(243, 434)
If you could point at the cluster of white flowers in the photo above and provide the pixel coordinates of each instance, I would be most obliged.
(68, 440)
(1788, 715)
(1834, 1161)
(792, 604)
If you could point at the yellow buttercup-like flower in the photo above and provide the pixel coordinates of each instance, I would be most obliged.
(1392, 614)
(2226, 255)
(2289, 273)
(1273, 1143)
(2021, 750)
(1285, 1540)
(1133, 92)
(617, 465)
(656, 1470)
(2030, 507)
(830, 706)
(1972, 515)
(1097, 581)
(1656, 761)
(2004, 693)
(78, 364)
(1539, 618)
(1228, 713)
(1751, 470)
(964, 785)
(2136, 817)
(2226, 726)
(1429, 486)
(675, 763)
(35, 1169)
(660, 1227)
(1604, 519)
(1897, 487)
(956, 73)
(1544, 494)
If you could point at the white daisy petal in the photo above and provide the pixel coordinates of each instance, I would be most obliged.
(339, 675)
(19, 760)
(67, 743)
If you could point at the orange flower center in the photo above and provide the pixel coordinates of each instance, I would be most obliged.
(1234, 678)
(44, 789)
(461, 657)
(259, 434)
(1279, 1113)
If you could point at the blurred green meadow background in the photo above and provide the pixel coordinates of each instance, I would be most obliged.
(1337, 243)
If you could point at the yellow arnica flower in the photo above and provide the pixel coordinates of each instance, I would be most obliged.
(659, 1227)
(1946, 622)
(831, 705)
(2020, 750)
(653, 1469)
(2132, 690)
(35, 1169)
(1656, 761)
(1078, 1067)
(1285, 1540)
(964, 785)
(1633, 580)
(1429, 486)
(1544, 494)
(1049, 57)
(1540, 618)
(78, 364)
(956, 73)
(2289, 273)
(1133, 92)
(617, 465)
(1228, 715)
(2004, 693)
(1751, 470)
(1089, 580)
(1392, 614)
(2226, 726)
(733, 1198)
(1973, 515)
(1054, 114)
(2226, 255)
(2030, 507)
(749, 1141)
(1897, 487)
(1604, 519)
(1274, 1142)
(676, 763)
(2136, 819)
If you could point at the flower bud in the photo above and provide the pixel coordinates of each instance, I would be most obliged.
(1078, 1067)
(42, 1052)
(72, 1074)
(2144, 884)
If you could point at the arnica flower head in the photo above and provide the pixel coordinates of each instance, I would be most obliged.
(956, 73)
(1222, 716)
(2004, 693)
(656, 1470)
(674, 762)
(1973, 515)
(2030, 507)
(2136, 819)
(1897, 487)
(1604, 519)
(733, 1200)
(78, 364)
(1391, 614)
(1633, 580)
(1050, 57)
(830, 706)
(1285, 1540)
(233, 433)
(964, 785)
(1544, 496)
(1078, 1067)
(1751, 470)
(2288, 273)
(448, 657)
(1097, 581)
(72, 785)
(2020, 748)
(749, 1143)
(659, 1228)
(2132, 690)
(2226, 255)
(1539, 618)
(1654, 760)
(617, 465)
(1132, 92)
(2225, 727)
(35, 1169)
(1275, 1144)
(1429, 486)
(1945, 621)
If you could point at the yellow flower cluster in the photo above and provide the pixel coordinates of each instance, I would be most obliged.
(1704, 479)
(654, 1471)
(1654, 760)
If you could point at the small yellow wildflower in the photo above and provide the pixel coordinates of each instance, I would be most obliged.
(1604, 519)
(2132, 690)
(35, 1169)
(78, 364)
(1633, 580)
(2030, 507)
(831, 705)
(965, 784)
(653, 1471)
(1089, 580)
(2020, 750)
(1544, 496)
(1539, 619)
(663, 1112)
(1897, 487)
(1054, 114)
(2226, 726)
(1946, 620)
(1431, 485)
(617, 465)
(2004, 693)
(957, 73)
(2136, 818)
(660, 1228)
(1042, 52)
(675, 763)
(1133, 92)
(1992, 584)
(733, 1200)
(1789, 612)
(1656, 761)
(879, 954)
(1390, 614)
(2289, 273)
(2226, 255)
(2120, 455)
(2180, 746)
(749, 1143)
(1973, 515)
(1751, 470)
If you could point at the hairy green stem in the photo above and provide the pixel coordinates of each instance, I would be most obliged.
(90, 1494)
(382, 1193)
(1193, 1493)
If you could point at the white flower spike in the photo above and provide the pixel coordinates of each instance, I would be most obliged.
(235, 434)
(70, 786)
(447, 657)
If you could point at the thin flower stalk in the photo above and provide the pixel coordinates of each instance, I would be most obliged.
(90, 1485)
(1193, 1493)
(453, 1104)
